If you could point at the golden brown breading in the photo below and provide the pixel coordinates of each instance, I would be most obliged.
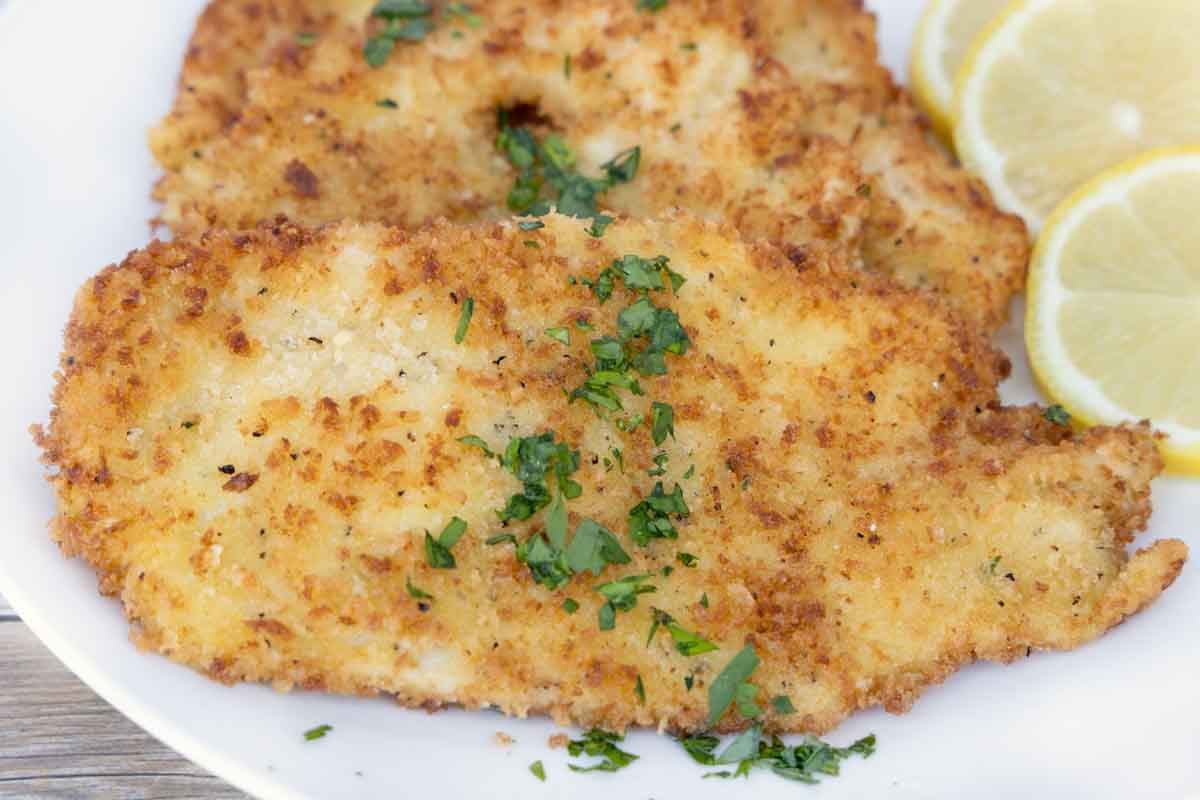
(776, 117)
(253, 433)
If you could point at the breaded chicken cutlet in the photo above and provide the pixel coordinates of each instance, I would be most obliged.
(268, 444)
(775, 117)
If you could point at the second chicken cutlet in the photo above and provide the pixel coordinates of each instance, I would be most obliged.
(775, 117)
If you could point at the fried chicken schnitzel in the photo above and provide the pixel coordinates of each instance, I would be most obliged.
(775, 117)
(275, 448)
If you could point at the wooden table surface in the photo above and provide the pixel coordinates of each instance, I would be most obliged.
(58, 739)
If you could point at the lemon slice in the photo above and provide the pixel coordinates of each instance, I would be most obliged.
(1056, 91)
(945, 32)
(1113, 321)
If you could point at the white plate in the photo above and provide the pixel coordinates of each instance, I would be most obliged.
(79, 85)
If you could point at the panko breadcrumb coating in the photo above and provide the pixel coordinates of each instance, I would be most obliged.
(256, 436)
(775, 117)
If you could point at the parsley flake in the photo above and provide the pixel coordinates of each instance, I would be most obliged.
(723, 689)
(687, 559)
(745, 696)
(465, 13)
(318, 732)
(593, 548)
(653, 6)
(474, 441)
(437, 551)
(622, 595)
(408, 20)
(551, 163)
(570, 605)
(464, 320)
(534, 460)
(306, 38)
(686, 642)
(806, 762)
(561, 335)
(603, 745)
(387, 102)
(1057, 414)
(783, 704)
(415, 592)
(599, 225)
(538, 770)
(639, 689)
(662, 422)
(650, 519)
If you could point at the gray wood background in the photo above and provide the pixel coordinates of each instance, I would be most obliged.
(59, 740)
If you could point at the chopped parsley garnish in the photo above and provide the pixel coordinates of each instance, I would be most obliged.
(660, 327)
(599, 225)
(660, 465)
(437, 551)
(567, 66)
(630, 423)
(561, 335)
(686, 642)
(464, 320)
(603, 745)
(622, 595)
(546, 563)
(500, 538)
(533, 459)
(639, 690)
(570, 605)
(306, 38)
(551, 163)
(723, 690)
(387, 102)
(465, 13)
(704, 600)
(593, 548)
(806, 762)
(415, 592)
(689, 681)
(552, 563)
(687, 559)
(662, 422)
(474, 441)
(538, 770)
(318, 732)
(783, 704)
(691, 470)
(653, 6)
(408, 20)
(531, 224)
(745, 696)
(615, 358)
(689, 46)
(1057, 414)
(639, 274)
(650, 519)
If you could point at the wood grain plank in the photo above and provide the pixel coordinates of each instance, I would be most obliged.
(58, 739)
